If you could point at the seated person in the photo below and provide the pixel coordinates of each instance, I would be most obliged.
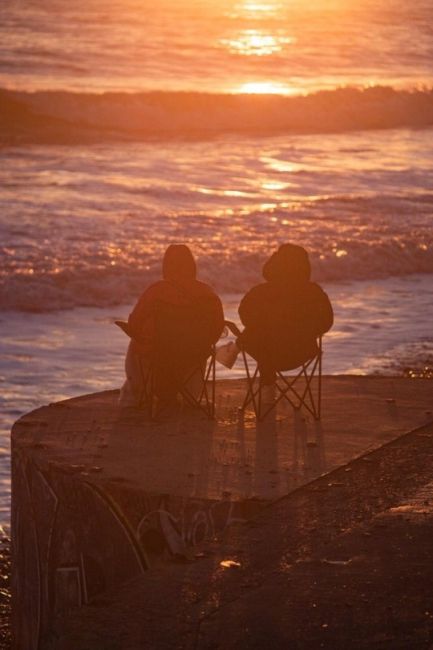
(172, 327)
(284, 316)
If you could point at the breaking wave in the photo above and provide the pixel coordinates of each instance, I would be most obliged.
(232, 272)
(68, 117)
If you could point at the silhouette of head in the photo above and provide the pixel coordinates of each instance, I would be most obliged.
(178, 263)
(289, 263)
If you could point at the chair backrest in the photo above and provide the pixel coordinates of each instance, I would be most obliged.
(183, 331)
(284, 324)
(295, 355)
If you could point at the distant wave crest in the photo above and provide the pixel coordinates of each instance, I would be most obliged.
(93, 286)
(68, 117)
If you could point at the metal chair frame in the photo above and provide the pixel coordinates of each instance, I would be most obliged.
(205, 401)
(285, 386)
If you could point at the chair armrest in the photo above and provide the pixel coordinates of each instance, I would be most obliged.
(234, 329)
(123, 324)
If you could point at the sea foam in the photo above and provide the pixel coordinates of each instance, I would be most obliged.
(232, 271)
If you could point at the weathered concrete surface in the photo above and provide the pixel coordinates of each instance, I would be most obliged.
(99, 498)
(343, 562)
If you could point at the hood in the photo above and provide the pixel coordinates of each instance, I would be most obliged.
(288, 265)
(178, 264)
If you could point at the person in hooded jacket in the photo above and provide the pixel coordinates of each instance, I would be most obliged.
(284, 316)
(173, 326)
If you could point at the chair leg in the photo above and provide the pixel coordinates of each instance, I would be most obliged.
(251, 391)
(147, 393)
(308, 390)
(287, 388)
(306, 398)
(213, 385)
(205, 401)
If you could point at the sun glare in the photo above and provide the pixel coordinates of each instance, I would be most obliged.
(258, 7)
(253, 42)
(265, 88)
(255, 10)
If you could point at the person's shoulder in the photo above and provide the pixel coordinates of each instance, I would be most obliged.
(315, 287)
(205, 289)
(262, 289)
(317, 291)
(157, 285)
(154, 289)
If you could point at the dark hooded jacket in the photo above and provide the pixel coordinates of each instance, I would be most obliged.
(178, 316)
(284, 316)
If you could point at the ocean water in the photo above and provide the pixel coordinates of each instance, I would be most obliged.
(214, 45)
(233, 127)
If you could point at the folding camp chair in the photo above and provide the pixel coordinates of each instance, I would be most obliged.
(302, 388)
(204, 373)
(181, 354)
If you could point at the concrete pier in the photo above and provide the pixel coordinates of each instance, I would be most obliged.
(100, 497)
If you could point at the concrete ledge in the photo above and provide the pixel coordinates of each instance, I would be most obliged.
(99, 499)
(343, 562)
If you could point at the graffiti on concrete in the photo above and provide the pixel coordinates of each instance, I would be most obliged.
(172, 528)
(72, 540)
